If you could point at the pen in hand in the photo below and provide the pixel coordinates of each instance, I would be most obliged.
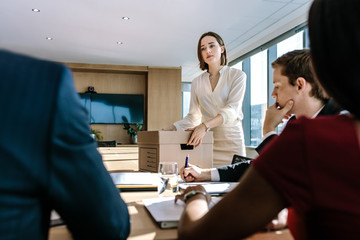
(186, 163)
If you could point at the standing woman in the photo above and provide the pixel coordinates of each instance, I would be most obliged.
(216, 102)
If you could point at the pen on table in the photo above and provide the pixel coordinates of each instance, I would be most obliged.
(186, 163)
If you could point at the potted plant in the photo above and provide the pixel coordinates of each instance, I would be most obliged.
(133, 131)
(96, 134)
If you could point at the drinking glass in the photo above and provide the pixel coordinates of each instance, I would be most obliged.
(169, 170)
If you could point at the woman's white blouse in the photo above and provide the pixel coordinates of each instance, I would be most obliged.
(226, 99)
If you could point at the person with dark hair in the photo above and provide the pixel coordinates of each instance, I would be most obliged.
(216, 102)
(313, 166)
(48, 159)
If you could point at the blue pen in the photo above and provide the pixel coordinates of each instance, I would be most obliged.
(186, 163)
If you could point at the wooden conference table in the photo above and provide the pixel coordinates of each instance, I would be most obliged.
(144, 228)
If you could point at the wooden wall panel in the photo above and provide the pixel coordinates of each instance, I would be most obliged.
(110, 82)
(164, 97)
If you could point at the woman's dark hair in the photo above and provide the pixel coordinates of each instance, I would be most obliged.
(203, 64)
(334, 29)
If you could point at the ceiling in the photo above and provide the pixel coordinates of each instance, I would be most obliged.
(158, 33)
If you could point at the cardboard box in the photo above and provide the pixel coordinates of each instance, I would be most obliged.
(170, 146)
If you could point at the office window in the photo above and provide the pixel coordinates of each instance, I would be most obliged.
(294, 42)
(258, 95)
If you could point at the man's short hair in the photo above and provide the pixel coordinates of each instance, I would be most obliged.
(296, 64)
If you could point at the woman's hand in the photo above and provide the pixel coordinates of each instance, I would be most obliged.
(197, 135)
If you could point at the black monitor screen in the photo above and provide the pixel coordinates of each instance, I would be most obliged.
(115, 108)
(85, 101)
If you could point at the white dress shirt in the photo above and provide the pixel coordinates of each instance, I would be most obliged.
(226, 100)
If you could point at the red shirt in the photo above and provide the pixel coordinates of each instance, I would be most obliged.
(315, 166)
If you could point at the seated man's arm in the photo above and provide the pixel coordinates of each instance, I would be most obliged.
(233, 172)
(228, 173)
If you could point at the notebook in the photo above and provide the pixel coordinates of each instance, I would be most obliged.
(136, 181)
(165, 212)
(213, 188)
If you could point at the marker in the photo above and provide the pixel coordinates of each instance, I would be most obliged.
(186, 163)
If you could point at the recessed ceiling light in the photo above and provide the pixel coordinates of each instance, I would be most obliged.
(119, 43)
(126, 18)
(35, 10)
(49, 38)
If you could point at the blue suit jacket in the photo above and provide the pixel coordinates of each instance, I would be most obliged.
(48, 159)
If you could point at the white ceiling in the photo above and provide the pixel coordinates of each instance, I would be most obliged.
(159, 32)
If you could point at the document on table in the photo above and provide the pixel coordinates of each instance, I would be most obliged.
(213, 188)
(165, 212)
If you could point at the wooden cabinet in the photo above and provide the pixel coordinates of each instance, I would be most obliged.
(150, 156)
(121, 158)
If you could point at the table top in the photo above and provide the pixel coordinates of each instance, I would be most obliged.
(143, 227)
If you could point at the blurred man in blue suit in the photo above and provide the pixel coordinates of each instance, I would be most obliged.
(48, 159)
